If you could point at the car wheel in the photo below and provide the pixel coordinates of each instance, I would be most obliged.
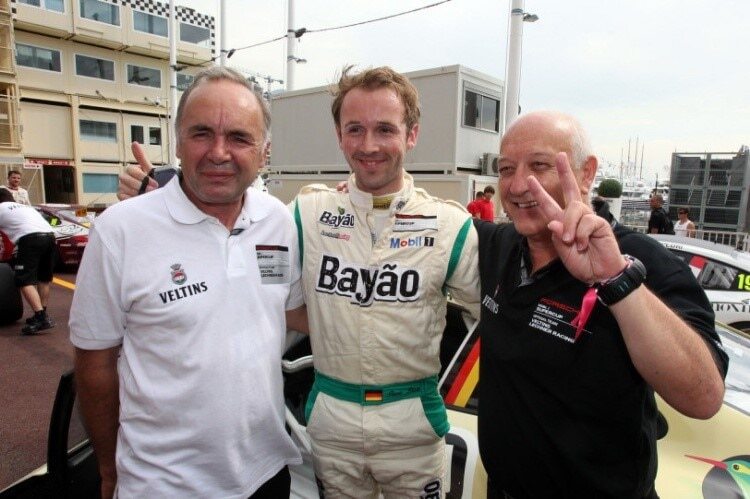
(11, 306)
(742, 326)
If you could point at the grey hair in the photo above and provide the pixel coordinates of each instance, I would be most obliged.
(580, 145)
(219, 73)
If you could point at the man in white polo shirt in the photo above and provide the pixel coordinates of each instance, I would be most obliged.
(180, 308)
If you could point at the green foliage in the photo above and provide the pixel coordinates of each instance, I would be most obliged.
(610, 188)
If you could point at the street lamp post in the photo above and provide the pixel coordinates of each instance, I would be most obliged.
(291, 42)
(513, 60)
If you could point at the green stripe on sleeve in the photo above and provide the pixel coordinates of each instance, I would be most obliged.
(298, 223)
(458, 246)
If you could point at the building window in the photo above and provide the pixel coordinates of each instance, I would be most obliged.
(481, 111)
(104, 12)
(154, 136)
(99, 182)
(149, 23)
(95, 68)
(148, 77)
(55, 5)
(195, 34)
(98, 131)
(37, 57)
(136, 133)
(184, 81)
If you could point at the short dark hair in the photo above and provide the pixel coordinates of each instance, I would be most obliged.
(13, 172)
(489, 189)
(479, 194)
(6, 196)
(220, 73)
(683, 210)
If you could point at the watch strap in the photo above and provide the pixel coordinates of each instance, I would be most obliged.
(620, 286)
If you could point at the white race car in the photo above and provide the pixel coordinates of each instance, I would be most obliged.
(722, 271)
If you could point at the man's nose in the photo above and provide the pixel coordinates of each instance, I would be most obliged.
(518, 182)
(369, 143)
(219, 152)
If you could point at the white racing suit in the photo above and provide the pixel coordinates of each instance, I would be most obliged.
(377, 313)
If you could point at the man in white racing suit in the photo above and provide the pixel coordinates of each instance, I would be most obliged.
(377, 263)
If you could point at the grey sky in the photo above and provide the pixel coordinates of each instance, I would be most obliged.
(673, 73)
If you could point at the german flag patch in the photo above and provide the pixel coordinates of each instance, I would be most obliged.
(373, 396)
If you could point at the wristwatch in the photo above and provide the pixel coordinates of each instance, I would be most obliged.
(615, 289)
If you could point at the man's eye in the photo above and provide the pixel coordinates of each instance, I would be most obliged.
(241, 139)
(539, 165)
(505, 171)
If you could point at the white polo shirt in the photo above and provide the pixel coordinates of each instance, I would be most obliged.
(200, 316)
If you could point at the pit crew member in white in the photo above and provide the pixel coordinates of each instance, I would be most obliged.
(191, 281)
(376, 264)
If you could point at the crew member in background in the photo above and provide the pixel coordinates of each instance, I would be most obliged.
(659, 222)
(473, 206)
(20, 195)
(34, 261)
(483, 208)
(684, 226)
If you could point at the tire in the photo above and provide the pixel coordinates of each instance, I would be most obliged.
(11, 306)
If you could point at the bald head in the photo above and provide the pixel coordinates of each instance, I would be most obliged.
(566, 131)
(530, 147)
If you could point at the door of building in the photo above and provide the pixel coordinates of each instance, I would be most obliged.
(59, 184)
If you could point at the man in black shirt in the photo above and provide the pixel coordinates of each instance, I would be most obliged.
(658, 222)
(566, 406)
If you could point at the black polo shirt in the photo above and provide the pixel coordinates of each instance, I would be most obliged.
(564, 418)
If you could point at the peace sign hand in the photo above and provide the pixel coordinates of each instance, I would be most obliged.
(583, 240)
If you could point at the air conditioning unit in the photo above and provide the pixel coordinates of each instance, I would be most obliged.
(490, 163)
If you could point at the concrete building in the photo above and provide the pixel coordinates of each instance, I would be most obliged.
(458, 142)
(714, 187)
(80, 80)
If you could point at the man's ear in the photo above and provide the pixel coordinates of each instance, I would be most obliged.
(411, 137)
(588, 172)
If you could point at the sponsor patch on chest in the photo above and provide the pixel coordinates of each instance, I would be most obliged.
(273, 264)
(414, 223)
(412, 242)
(554, 318)
(390, 282)
(184, 290)
(341, 220)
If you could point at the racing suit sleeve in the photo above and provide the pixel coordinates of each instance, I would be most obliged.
(463, 279)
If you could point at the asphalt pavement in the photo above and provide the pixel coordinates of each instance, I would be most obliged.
(30, 368)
